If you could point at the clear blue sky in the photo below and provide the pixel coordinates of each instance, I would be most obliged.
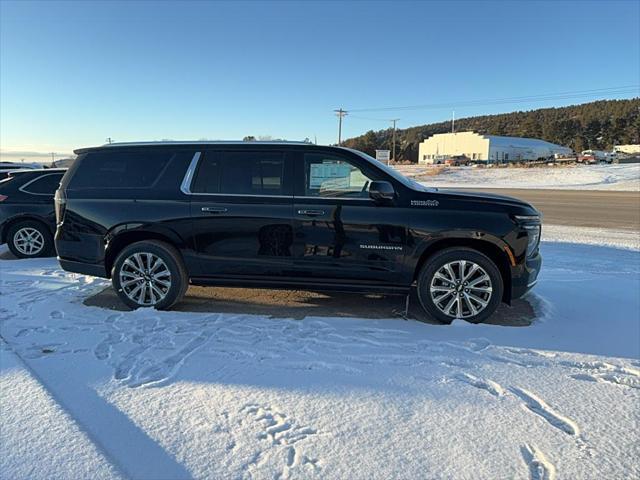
(74, 73)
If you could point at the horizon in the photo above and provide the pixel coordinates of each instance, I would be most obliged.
(276, 70)
(33, 156)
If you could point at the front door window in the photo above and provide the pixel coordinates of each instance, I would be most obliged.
(331, 176)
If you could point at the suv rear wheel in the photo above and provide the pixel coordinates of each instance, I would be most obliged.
(30, 239)
(460, 283)
(149, 274)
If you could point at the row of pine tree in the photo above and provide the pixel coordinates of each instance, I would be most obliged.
(597, 125)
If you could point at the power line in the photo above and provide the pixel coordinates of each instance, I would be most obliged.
(370, 119)
(506, 100)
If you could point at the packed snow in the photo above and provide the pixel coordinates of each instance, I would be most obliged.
(622, 177)
(628, 239)
(33, 422)
(170, 395)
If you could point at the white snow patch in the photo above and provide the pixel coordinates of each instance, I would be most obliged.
(625, 177)
(38, 439)
(210, 395)
(628, 239)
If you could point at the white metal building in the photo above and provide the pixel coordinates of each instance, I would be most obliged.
(630, 149)
(486, 148)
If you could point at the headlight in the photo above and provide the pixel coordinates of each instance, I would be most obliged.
(531, 223)
(533, 236)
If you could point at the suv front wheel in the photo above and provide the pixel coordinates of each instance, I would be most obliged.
(460, 283)
(149, 274)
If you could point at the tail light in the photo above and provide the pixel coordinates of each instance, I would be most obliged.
(60, 201)
(3, 198)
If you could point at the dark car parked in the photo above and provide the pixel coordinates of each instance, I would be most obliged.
(27, 214)
(155, 217)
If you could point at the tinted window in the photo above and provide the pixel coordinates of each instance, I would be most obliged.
(330, 176)
(240, 173)
(208, 175)
(121, 169)
(45, 185)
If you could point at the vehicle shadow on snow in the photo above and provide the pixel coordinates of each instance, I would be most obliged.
(298, 304)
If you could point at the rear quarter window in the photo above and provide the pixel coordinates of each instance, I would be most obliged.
(121, 169)
(43, 185)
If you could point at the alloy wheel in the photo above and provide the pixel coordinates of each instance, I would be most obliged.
(145, 278)
(461, 289)
(29, 241)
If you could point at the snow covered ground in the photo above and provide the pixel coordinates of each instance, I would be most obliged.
(625, 177)
(92, 393)
(629, 239)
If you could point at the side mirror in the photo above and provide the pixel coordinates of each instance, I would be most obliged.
(380, 191)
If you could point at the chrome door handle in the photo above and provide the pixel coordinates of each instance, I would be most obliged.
(213, 209)
(311, 213)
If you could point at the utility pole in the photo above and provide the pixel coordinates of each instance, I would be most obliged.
(53, 160)
(340, 113)
(453, 122)
(109, 140)
(393, 142)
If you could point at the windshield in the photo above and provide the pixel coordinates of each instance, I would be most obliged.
(406, 181)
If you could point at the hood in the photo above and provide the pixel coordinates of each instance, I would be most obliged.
(483, 197)
(478, 201)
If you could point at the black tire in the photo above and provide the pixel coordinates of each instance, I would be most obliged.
(169, 255)
(48, 248)
(438, 261)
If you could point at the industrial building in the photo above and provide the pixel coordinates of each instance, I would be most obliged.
(486, 148)
(628, 149)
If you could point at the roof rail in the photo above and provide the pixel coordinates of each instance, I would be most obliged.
(206, 142)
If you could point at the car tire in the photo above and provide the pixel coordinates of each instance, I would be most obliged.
(30, 239)
(149, 273)
(442, 285)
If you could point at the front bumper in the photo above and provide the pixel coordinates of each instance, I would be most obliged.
(527, 278)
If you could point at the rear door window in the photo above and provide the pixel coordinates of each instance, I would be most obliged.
(121, 169)
(241, 173)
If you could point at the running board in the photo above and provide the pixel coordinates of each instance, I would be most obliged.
(301, 284)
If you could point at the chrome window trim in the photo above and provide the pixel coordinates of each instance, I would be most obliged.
(368, 199)
(185, 186)
(239, 195)
(23, 188)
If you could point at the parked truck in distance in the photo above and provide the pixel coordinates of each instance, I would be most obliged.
(595, 156)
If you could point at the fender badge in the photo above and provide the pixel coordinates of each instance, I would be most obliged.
(425, 203)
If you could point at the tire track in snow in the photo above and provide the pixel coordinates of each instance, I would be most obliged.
(540, 407)
(540, 468)
(610, 378)
(603, 372)
(166, 369)
(490, 386)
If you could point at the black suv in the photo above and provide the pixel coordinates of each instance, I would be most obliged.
(155, 217)
(27, 215)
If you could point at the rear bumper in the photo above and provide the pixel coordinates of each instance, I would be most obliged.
(81, 252)
(527, 278)
(95, 270)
